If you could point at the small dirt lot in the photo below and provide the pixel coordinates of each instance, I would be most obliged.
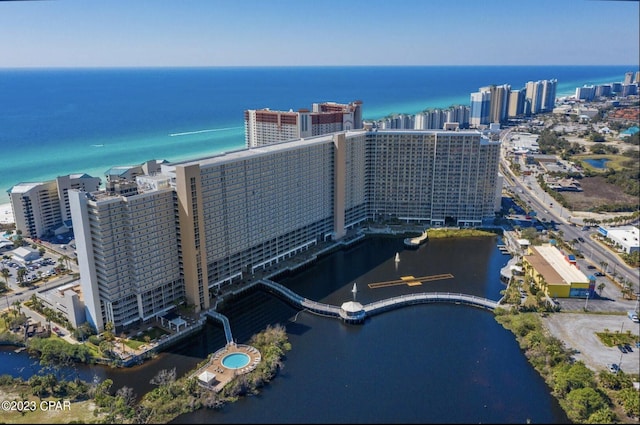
(578, 331)
(596, 191)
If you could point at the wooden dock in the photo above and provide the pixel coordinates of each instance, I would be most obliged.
(410, 280)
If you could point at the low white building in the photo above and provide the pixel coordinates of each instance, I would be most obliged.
(625, 237)
(67, 300)
(25, 254)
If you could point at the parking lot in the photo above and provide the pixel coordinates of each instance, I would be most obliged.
(578, 331)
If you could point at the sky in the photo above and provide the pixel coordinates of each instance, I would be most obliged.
(151, 33)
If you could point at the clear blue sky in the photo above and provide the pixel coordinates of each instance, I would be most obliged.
(92, 33)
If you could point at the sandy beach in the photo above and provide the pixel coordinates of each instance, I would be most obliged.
(6, 214)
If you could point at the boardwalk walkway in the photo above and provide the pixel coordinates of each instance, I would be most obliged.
(377, 306)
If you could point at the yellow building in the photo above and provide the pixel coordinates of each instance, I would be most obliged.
(556, 274)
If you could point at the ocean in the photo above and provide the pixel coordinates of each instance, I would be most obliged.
(59, 121)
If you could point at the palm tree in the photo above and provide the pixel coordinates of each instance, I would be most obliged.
(627, 290)
(5, 274)
(66, 259)
(604, 265)
(21, 273)
(601, 287)
(18, 306)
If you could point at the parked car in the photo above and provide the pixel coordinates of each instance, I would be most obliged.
(599, 274)
(613, 368)
(621, 348)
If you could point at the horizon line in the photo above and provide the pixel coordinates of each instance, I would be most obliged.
(98, 67)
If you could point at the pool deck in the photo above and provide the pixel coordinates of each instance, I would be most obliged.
(224, 374)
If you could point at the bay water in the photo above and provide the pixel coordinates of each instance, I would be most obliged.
(431, 363)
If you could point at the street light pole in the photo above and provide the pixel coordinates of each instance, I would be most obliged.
(586, 301)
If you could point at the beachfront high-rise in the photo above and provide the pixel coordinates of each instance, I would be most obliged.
(264, 126)
(42, 208)
(480, 109)
(540, 96)
(128, 252)
(242, 211)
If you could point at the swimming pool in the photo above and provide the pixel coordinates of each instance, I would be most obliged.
(235, 360)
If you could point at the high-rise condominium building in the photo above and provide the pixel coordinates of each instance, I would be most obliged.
(541, 95)
(480, 108)
(246, 210)
(498, 103)
(41, 208)
(628, 77)
(128, 252)
(264, 126)
(516, 104)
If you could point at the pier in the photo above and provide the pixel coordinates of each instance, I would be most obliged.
(352, 312)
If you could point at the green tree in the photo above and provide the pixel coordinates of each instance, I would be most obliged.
(108, 334)
(18, 306)
(601, 287)
(630, 401)
(5, 275)
(602, 416)
(572, 377)
(65, 258)
(22, 272)
(584, 402)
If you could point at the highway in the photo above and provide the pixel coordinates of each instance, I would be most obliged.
(529, 191)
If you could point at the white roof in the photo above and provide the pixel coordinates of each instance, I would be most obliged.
(568, 272)
(352, 306)
(24, 187)
(207, 376)
(178, 321)
(23, 251)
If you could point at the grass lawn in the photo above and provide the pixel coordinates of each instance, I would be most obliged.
(44, 413)
(134, 344)
(611, 339)
(153, 333)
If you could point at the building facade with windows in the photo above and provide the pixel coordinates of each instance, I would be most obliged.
(264, 126)
(128, 253)
(246, 210)
(41, 208)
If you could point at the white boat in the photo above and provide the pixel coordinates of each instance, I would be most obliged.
(397, 257)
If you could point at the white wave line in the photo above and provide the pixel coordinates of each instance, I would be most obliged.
(186, 133)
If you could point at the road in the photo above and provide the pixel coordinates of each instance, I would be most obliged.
(528, 190)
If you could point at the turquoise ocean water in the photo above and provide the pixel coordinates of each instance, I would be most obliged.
(59, 121)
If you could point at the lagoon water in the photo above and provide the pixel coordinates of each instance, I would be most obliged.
(432, 363)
